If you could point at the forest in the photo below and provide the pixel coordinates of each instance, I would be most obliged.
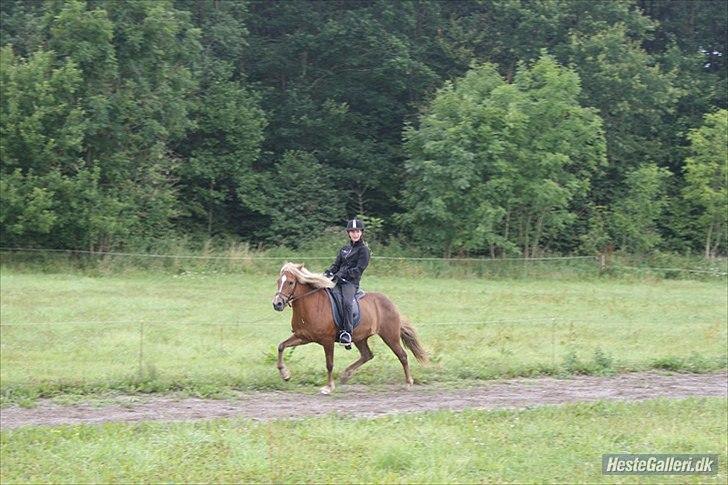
(455, 128)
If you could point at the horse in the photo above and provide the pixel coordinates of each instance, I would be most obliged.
(312, 321)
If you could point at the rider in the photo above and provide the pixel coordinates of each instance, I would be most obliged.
(350, 263)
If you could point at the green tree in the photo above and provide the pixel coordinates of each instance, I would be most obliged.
(91, 118)
(218, 155)
(603, 43)
(706, 179)
(338, 81)
(634, 97)
(26, 208)
(495, 165)
(42, 125)
(152, 116)
(636, 212)
(299, 202)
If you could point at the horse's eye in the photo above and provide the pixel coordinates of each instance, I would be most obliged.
(290, 283)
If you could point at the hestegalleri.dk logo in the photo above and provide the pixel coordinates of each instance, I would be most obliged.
(659, 464)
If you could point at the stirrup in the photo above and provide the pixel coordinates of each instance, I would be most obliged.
(345, 338)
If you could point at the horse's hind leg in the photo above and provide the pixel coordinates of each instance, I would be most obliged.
(393, 343)
(366, 356)
(291, 341)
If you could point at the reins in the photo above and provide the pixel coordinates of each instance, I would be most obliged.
(290, 298)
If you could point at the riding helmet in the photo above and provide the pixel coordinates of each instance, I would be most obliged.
(354, 224)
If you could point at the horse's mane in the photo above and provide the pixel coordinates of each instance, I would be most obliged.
(317, 280)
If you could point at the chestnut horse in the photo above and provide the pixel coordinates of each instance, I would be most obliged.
(312, 321)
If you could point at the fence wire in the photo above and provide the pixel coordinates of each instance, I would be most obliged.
(282, 258)
(266, 322)
(552, 324)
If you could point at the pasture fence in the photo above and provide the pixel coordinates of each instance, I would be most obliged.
(551, 324)
(179, 264)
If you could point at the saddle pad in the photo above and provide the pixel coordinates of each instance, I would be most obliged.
(336, 306)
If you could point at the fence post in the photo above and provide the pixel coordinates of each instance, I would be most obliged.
(605, 258)
(141, 349)
(553, 343)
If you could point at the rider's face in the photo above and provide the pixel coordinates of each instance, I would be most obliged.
(354, 235)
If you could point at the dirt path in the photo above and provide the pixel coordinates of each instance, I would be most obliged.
(359, 401)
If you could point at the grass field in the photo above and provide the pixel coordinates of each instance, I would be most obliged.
(206, 333)
(548, 444)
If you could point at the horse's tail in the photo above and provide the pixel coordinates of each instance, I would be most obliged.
(410, 340)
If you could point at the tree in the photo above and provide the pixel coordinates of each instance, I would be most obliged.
(705, 177)
(495, 165)
(338, 81)
(177, 113)
(90, 119)
(634, 97)
(218, 154)
(637, 210)
(300, 201)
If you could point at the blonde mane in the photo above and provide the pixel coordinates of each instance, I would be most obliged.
(317, 280)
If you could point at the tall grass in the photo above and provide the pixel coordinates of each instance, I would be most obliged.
(177, 257)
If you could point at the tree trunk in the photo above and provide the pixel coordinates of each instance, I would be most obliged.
(507, 229)
(510, 73)
(537, 236)
(360, 202)
(526, 236)
(209, 210)
(708, 242)
(718, 239)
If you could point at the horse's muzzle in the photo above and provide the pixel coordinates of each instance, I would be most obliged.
(278, 305)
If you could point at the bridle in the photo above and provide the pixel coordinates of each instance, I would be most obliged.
(288, 299)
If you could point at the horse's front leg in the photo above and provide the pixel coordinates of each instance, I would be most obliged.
(329, 350)
(291, 341)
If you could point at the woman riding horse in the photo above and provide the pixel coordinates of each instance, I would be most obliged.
(312, 319)
(347, 270)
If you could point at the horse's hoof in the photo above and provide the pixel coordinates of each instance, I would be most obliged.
(326, 390)
(285, 374)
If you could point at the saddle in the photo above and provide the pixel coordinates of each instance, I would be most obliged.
(337, 307)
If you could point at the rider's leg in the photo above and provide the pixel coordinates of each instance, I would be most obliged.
(338, 295)
(347, 292)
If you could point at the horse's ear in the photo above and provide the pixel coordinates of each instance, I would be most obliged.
(299, 266)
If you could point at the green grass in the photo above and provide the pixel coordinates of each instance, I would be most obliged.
(208, 333)
(547, 444)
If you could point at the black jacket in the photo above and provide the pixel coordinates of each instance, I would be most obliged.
(351, 262)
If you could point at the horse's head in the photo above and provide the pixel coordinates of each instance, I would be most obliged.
(287, 283)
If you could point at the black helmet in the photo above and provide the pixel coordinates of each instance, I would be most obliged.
(355, 224)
